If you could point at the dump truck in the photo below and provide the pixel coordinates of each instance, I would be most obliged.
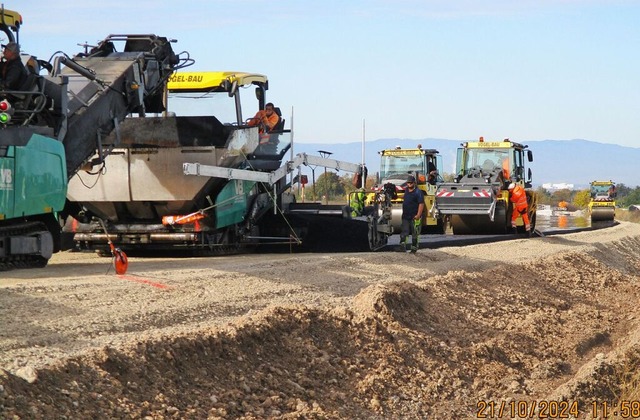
(477, 202)
(602, 205)
(149, 204)
(53, 123)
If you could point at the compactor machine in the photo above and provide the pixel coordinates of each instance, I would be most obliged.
(52, 124)
(383, 204)
(602, 206)
(478, 199)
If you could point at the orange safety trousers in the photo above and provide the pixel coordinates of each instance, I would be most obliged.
(520, 207)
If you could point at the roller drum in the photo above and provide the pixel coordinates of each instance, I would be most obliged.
(472, 224)
(599, 214)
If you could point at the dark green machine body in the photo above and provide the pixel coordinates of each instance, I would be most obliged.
(33, 188)
(33, 178)
(52, 124)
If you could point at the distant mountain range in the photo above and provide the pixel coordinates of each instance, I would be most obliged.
(576, 162)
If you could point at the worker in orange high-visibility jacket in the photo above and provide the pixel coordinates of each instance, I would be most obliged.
(266, 120)
(518, 197)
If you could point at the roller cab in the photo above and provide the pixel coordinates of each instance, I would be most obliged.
(602, 206)
(477, 201)
(398, 163)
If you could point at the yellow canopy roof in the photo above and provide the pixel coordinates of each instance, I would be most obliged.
(218, 81)
(11, 19)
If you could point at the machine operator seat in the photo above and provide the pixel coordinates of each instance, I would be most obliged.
(280, 124)
(488, 166)
(271, 146)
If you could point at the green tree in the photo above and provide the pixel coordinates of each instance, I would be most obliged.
(582, 198)
(544, 196)
(329, 184)
(631, 197)
(347, 182)
(564, 194)
(623, 190)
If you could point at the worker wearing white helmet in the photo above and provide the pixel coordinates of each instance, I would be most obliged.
(518, 197)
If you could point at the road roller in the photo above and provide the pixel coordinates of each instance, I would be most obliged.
(602, 206)
(425, 165)
(477, 201)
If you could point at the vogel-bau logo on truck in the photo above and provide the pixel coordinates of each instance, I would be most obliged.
(180, 78)
(6, 179)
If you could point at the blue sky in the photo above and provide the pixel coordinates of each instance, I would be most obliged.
(450, 69)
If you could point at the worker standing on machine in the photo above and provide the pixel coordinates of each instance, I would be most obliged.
(412, 207)
(518, 197)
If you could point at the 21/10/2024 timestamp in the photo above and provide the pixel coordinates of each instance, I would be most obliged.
(626, 409)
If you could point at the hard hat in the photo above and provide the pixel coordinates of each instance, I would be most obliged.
(512, 186)
(411, 178)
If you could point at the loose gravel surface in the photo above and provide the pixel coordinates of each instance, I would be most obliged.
(528, 326)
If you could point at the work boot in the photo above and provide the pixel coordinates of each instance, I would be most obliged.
(414, 249)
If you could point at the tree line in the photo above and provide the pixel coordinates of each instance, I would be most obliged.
(337, 188)
(626, 196)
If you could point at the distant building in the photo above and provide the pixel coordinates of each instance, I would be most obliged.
(560, 186)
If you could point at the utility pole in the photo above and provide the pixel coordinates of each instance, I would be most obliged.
(325, 154)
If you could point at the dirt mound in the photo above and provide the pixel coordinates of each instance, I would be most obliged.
(440, 345)
(284, 362)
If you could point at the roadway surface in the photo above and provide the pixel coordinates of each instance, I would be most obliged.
(547, 226)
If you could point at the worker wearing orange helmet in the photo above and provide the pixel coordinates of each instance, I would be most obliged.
(518, 197)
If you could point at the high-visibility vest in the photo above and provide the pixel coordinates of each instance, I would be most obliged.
(357, 204)
(519, 198)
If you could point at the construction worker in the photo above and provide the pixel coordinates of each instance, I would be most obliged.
(357, 202)
(412, 207)
(13, 73)
(518, 197)
(267, 119)
(432, 172)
